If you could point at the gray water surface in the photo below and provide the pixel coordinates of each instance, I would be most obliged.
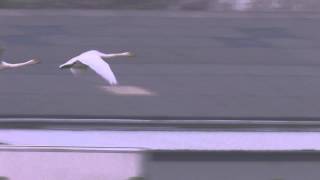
(215, 66)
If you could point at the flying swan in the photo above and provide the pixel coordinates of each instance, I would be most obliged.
(96, 61)
(5, 65)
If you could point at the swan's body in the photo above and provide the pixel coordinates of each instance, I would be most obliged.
(94, 60)
(5, 65)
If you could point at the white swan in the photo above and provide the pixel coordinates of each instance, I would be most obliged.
(94, 60)
(5, 65)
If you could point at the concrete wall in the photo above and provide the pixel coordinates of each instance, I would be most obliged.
(62, 164)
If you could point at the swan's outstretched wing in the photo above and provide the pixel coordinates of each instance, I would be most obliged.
(102, 68)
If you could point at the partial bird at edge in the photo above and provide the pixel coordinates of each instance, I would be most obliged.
(5, 65)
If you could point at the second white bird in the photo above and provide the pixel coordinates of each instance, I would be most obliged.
(96, 61)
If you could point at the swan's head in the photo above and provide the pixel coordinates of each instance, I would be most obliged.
(34, 61)
(129, 54)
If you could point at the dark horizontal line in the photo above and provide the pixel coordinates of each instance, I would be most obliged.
(235, 156)
(157, 117)
(76, 122)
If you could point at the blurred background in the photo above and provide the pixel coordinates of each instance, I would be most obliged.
(203, 5)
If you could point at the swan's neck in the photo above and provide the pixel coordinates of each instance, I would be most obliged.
(116, 55)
